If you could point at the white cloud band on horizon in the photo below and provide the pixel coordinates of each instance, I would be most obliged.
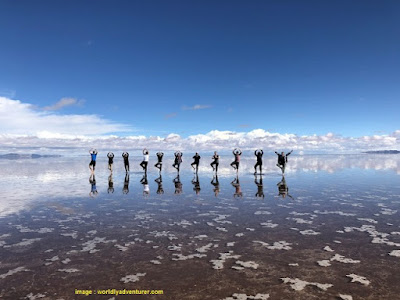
(22, 126)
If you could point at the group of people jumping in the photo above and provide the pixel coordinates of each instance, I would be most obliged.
(282, 160)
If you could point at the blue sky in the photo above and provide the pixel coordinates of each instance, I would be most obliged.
(298, 67)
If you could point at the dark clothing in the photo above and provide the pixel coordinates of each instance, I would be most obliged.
(259, 156)
(92, 163)
(282, 159)
(160, 157)
(196, 159)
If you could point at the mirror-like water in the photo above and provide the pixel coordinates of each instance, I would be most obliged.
(329, 230)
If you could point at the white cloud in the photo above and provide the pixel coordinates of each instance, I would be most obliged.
(63, 103)
(196, 107)
(22, 126)
(17, 118)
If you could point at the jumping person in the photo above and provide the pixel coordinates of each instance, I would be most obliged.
(259, 154)
(145, 161)
(215, 162)
(282, 160)
(178, 160)
(125, 155)
(196, 162)
(92, 164)
(158, 165)
(110, 156)
(235, 164)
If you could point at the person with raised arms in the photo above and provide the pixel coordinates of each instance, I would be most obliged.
(125, 155)
(196, 162)
(215, 162)
(110, 156)
(158, 165)
(178, 160)
(93, 155)
(145, 161)
(258, 153)
(282, 160)
(235, 164)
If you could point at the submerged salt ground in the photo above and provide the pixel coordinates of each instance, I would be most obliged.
(337, 238)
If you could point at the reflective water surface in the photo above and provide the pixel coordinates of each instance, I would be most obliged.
(329, 229)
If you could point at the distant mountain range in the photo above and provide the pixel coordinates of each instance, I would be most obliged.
(24, 156)
(383, 152)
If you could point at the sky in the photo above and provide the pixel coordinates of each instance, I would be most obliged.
(232, 71)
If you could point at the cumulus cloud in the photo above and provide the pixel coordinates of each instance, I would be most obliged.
(22, 126)
(196, 107)
(63, 103)
(18, 118)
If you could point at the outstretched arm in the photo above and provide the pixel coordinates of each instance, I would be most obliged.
(276, 153)
(289, 153)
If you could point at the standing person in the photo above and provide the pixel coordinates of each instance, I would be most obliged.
(235, 164)
(145, 161)
(110, 156)
(196, 162)
(178, 160)
(258, 153)
(158, 165)
(125, 155)
(215, 162)
(282, 160)
(93, 155)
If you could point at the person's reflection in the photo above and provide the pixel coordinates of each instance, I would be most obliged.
(160, 189)
(146, 189)
(178, 185)
(238, 191)
(110, 184)
(196, 184)
(125, 189)
(215, 183)
(260, 188)
(93, 189)
(283, 189)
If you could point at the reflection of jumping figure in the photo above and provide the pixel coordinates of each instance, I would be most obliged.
(215, 183)
(195, 164)
(283, 189)
(110, 156)
(178, 160)
(178, 185)
(125, 189)
(93, 155)
(238, 191)
(145, 161)
(258, 154)
(110, 189)
(282, 160)
(93, 188)
(260, 188)
(235, 164)
(125, 155)
(159, 158)
(215, 162)
(160, 189)
(196, 184)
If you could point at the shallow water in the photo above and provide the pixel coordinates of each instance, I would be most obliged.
(332, 228)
